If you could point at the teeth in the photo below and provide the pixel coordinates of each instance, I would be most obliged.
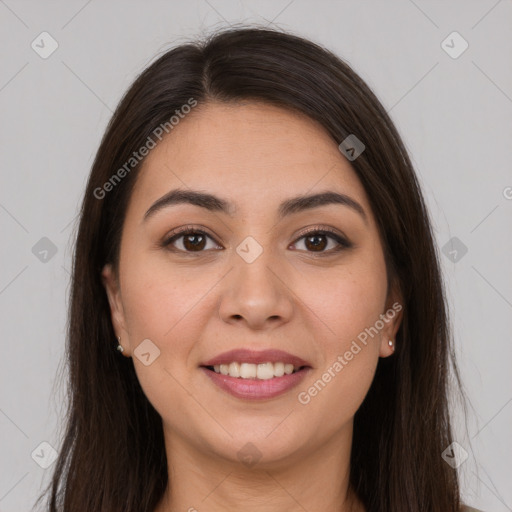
(234, 370)
(248, 371)
(263, 371)
(278, 369)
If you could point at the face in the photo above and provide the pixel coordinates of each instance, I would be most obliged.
(257, 271)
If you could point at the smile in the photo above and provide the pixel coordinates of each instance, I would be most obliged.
(249, 387)
(262, 371)
(256, 375)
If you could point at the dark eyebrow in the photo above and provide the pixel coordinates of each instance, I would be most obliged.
(202, 199)
(300, 203)
(288, 207)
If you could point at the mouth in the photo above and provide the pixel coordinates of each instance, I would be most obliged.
(254, 375)
(261, 371)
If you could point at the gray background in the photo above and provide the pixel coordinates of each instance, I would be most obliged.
(453, 113)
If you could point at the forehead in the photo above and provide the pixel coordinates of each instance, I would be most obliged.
(253, 152)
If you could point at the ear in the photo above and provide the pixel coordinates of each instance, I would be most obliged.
(392, 318)
(111, 284)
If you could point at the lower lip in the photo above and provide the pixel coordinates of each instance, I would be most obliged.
(256, 389)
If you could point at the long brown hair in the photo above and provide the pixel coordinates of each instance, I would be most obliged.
(113, 457)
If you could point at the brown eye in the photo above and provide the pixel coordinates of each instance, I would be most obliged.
(318, 241)
(194, 242)
(191, 240)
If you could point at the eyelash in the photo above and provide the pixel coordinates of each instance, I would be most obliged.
(317, 230)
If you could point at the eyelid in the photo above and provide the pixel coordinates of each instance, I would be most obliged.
(326, 230)
(184, 230)
(329, 230)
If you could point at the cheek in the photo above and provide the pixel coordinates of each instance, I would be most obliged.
(350, 356)
(158, 295)
(165, 304)
(356, 304)
(347, 300)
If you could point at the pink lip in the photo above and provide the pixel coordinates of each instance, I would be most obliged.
(256, 389)
(256, 357)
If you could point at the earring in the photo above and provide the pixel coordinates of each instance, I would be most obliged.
(390, 343)
(119, 347)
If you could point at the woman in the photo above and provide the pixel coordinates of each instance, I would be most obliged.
(254, 242)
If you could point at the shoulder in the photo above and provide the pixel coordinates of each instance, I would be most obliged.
(465, 508)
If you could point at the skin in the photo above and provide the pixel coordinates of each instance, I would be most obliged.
(196, 305)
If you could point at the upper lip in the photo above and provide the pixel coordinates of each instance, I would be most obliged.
(256, 357)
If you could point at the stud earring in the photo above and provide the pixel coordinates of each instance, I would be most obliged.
(390, 343)
(119, 347)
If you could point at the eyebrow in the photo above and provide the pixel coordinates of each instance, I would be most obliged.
(288, 207)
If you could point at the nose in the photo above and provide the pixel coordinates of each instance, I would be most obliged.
(256, 294)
